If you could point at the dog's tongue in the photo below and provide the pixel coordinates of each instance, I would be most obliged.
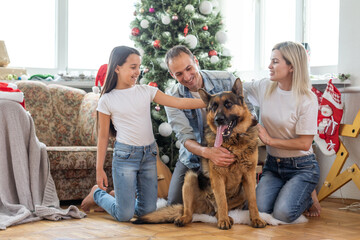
(219, 135)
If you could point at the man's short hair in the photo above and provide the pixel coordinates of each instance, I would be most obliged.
(176, 51)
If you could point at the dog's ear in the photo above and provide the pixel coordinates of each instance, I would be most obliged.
(237, 88)
(205, 96)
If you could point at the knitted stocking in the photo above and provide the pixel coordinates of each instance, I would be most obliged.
(329, 117)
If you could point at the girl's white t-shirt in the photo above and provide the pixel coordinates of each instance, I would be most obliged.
(130, 113)
(282, 117)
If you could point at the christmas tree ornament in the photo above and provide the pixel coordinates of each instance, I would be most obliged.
(165, 159)
(151, 10)
(189, 8)
(221, 37)
(157, 107)
(214, 59)
(165, 19)
(191, 41)
(141, 51)
(135, 31)
(144, 23)
(163, 65)
(165, 129)
(205, 7)
(142, 81)
(146, 70)
(156, 44)
(329, 117)
(212, 53)
(205, 28)
(178, 144)
(153, 84)
(142, 10)
(166, 34)
(135, 13)
(175, 17)
(186, 30)
(216, 5)
(226, 52)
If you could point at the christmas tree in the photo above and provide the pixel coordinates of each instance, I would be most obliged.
(160, 25)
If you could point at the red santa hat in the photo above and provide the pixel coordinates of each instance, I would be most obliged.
(101, 75)
(9, 91)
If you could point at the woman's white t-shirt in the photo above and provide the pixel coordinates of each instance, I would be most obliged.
(130, 113)
(282, 117)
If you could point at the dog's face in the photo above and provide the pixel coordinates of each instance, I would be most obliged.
(227, 112)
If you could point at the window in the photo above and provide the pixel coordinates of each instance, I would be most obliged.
(52, 36)
(323, 32)
(254, 27)
(28, 29)
(95, 28)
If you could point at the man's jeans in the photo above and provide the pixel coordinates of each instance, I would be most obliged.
(286, 185)
(135, 182)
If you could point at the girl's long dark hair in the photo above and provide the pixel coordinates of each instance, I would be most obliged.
(118, 57)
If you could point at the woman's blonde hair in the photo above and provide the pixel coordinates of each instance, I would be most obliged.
(295, 55)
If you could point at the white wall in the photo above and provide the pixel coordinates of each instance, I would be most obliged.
(349, 39)
(349, 52)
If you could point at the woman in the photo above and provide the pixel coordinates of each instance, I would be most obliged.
(289, 116)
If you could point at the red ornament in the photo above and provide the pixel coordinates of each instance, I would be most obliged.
(153, 84)
(152, 10)
(186, 30)
(212, 53)
(135, 31)
(156, 44)
(157, 107)
(205, 28)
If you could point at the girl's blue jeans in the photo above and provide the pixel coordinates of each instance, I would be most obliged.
(286, 185)
(135, 182)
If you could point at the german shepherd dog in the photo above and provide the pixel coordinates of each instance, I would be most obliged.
(216, 190)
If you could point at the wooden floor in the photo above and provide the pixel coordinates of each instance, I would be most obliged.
(333, 224)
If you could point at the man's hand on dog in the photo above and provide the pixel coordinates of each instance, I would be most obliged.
(220, 156)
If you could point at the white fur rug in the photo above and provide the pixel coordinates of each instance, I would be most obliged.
(239, 216)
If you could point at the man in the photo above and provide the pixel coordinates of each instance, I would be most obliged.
(188, 125)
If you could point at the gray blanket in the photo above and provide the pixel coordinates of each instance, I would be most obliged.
(27, 190)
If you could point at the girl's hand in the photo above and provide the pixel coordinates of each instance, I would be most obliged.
(101, 179)
(263, 135)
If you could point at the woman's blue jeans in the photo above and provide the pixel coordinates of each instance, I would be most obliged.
(135, 182)
(286, 185)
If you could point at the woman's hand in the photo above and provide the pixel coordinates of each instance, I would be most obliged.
(101, 179)
(263, 135)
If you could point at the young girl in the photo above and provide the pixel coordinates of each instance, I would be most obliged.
(127, 106)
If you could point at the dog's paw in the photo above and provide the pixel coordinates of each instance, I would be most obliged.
(258, 223)
(225, 224)
(182, 221)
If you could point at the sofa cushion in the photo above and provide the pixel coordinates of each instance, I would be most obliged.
(39, 103)
(65, 158)
(87, 119)
(66, 104)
